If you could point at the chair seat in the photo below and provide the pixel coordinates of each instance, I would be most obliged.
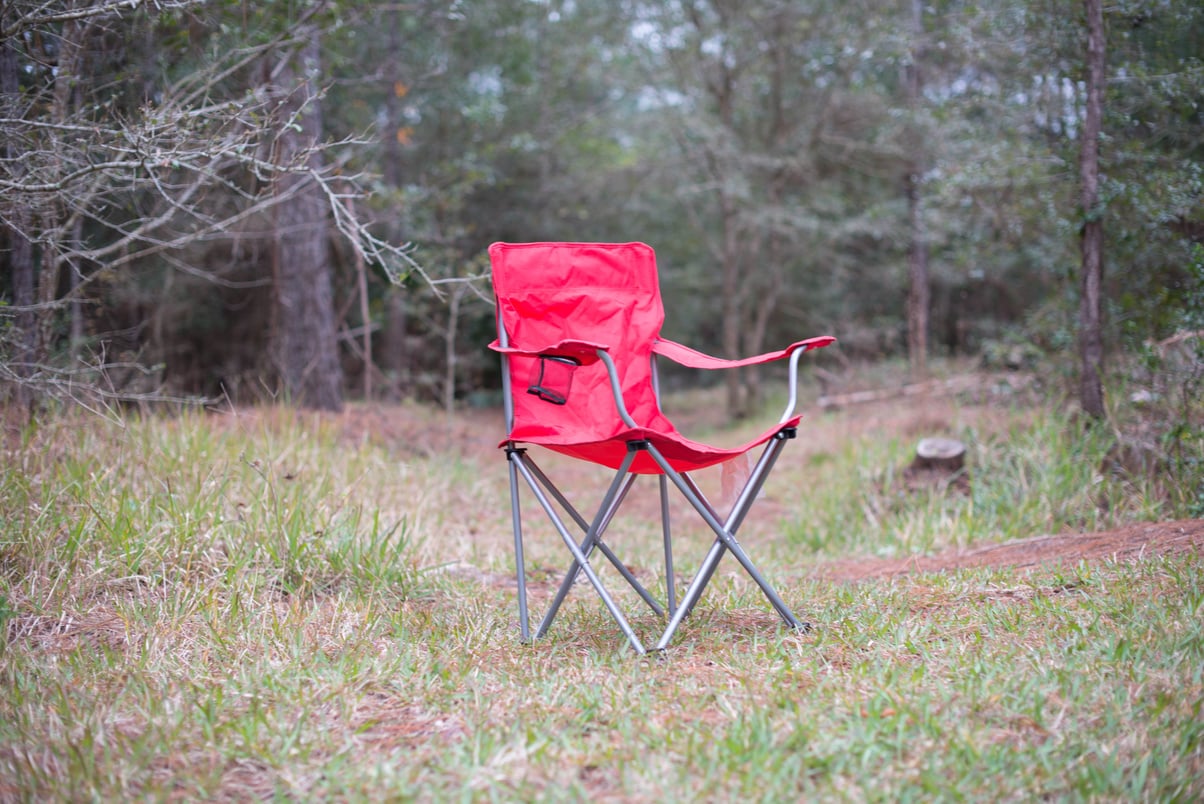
(683, 454)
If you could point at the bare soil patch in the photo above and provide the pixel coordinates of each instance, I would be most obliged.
(1130, 543)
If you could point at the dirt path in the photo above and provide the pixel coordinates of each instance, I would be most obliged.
(1123, 544)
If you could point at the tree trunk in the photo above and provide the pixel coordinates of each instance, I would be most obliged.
(61, 228)
(20, 248)
(918, 296)
(306, 345)
(732, 312)
(361, 282)
(735, 379)
(393, 356)
(449, 354)
(1091, 349)
(917, 252)
(392, 132)
(763, 311)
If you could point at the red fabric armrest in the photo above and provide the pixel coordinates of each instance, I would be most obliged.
(584, 352)
(691, 358)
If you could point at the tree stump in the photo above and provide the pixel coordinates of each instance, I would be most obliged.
(946, 455)
(939, 464)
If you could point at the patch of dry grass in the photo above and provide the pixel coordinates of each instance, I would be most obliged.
(269, 604)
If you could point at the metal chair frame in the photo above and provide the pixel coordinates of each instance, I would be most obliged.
(522, 465)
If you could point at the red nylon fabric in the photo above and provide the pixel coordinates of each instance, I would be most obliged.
(584, 352)
(565, 298)
(695, 359)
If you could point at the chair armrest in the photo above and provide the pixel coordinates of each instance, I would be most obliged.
(584, 352)
(691, 358)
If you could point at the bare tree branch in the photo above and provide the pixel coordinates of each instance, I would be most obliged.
(102, 189)
(43, 16)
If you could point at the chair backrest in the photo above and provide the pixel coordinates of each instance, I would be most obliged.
(598, 292)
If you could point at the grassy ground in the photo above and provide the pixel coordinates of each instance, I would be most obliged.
(268, 604)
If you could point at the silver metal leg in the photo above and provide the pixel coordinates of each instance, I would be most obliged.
(632, 581)
(605, 511)
(735, 518)
(603, 518)
(742, 504)
(517, 523)
(693, 592)
(666, 530)
(725, 537)
(578, 556)
(710, 572)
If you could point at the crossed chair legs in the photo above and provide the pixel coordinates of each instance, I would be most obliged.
(725, 538)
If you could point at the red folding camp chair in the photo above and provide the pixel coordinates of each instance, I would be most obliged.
(579, 334)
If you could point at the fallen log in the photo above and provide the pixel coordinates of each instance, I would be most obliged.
(954, 385)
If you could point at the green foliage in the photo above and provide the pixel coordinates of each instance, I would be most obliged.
(1040, 478)
(773, 142)
(183, 498)
(1183, 364)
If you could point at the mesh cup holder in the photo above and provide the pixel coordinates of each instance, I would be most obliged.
(552, 379)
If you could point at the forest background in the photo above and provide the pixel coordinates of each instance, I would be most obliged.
(249, 203)
(292, 200)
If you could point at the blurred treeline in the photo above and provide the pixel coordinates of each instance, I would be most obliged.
(252, 200)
